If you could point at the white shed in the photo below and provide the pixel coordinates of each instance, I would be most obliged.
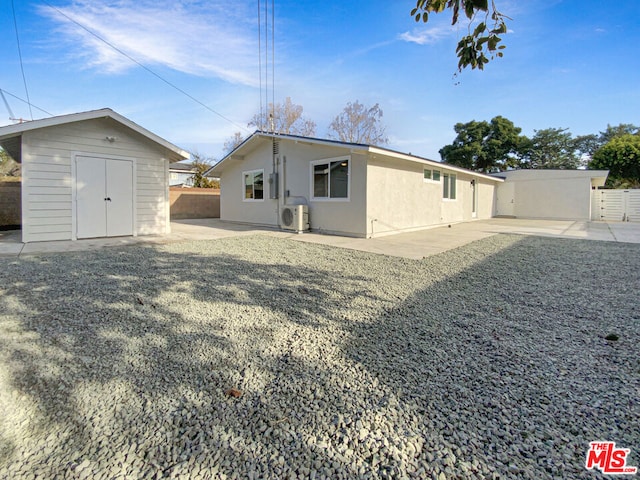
(552, 194)
(91, 174)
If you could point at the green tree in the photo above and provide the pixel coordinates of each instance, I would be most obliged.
(621, 156)
(285, 118)
(588, 144)
(612, 132)
(552, 148)
(202, 165)
(485, 146)
(481, 44)
(8, 166)
(359, 124)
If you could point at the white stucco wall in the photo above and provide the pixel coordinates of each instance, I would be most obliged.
(552, 194)
(47, 182)
(294, 159)
(399, 199)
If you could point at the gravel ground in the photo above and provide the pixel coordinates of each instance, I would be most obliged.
(488, 361)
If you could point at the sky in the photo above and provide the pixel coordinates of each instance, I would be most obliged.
(193, 71)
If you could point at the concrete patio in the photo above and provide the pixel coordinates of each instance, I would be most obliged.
(415, 245)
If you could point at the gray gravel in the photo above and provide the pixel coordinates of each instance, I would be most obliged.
(488, 361)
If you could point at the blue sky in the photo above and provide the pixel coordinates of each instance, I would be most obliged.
(570, 64)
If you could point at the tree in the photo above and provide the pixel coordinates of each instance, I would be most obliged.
(587, 145)
(621, 156)
(359, 124)
(612, 132)
(481, 44)
(8, 166)
(201, 165)
(485, 146)
(552, 148)
(285, 118)
(232, 142)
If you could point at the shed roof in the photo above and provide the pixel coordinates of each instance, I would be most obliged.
(251, 143)
(9, 135)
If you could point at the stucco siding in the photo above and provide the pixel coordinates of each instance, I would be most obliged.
(47, 157)
(400, 199)
(552, 194)
(294, 170)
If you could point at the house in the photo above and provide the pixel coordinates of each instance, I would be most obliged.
(346, 188)
(91, 174)
(549, 194)
(181, 174)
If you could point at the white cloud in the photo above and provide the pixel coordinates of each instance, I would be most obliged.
(426, 36)
(216, 39)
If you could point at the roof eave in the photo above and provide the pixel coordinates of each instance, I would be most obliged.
(16, 130)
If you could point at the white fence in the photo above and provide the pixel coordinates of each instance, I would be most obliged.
(615, 205)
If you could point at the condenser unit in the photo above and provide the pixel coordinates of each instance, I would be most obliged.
(295, 217)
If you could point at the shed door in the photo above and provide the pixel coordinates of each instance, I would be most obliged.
(104, 197)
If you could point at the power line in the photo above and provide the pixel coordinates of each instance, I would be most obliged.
(158, 76)
(24, 78)
(25, 101)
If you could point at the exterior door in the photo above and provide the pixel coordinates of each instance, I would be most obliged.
(474, 199)
(104, 197)
(119, 190)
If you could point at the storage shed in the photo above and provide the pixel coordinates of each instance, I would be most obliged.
(91, 174)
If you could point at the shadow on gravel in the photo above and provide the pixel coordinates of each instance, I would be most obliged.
(488, 359)
(116, 361)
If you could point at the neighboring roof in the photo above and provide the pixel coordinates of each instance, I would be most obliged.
(182, 167)
(12, 131)
(250, 143)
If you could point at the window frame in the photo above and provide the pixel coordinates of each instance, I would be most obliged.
(449, 179)
(328, 162)
(252, 172)
(432, 171)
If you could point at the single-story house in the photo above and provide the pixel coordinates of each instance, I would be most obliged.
(344, 188)
(549, 194)
(91, 174)
(181, 174)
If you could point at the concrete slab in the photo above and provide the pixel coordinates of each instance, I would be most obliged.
(413, 245)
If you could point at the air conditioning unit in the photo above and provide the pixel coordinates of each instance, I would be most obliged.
(295, 217)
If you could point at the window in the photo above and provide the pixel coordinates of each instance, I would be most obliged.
(449, 186)
(431, 175)
(253, 185)
(330, 179)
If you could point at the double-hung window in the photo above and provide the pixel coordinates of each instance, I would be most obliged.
(330, 179)
(253, 184)
(449, 186)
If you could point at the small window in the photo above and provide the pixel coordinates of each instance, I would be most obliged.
(449, 186)
(430, 175)
(330, 179)
(253, 185)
